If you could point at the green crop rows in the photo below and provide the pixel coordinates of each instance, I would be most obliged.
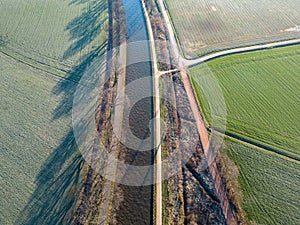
(270, 184)
(261, 91)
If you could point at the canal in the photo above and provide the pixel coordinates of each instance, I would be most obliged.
(137, 204)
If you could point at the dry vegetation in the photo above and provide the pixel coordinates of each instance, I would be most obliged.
(191, 192)
(95, 187)
(160, 36)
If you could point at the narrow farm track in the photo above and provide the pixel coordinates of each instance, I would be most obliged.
(158, 172)
(194, 62)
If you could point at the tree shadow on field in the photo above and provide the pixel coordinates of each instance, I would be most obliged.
(83, 30)
(59, 182)
(56, 186)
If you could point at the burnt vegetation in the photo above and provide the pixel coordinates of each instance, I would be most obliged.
(190, 196)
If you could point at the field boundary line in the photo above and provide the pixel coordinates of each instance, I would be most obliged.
(40, 66)
(256, 144)
(223, 53)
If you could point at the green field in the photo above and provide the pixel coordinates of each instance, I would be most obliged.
(270, 184)
(45, 47)
(206, 26)
(261, 91)
(33, 145)
(52, 32)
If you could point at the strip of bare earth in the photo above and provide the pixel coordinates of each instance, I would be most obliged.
(205, 143)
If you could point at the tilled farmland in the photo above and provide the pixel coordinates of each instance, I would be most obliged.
(209, 26)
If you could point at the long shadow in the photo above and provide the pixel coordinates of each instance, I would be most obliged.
(59, 182)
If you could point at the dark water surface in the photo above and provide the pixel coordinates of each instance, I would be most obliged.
(136, 207)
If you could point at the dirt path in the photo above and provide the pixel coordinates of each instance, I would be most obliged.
(194, 106)
(158, 172)
(194, 62)
(204, 137)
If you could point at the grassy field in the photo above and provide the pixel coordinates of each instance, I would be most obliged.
(52, 32)
(45, 47)
(270, 184)
(261, 91)
(206, 26)
(32, 145)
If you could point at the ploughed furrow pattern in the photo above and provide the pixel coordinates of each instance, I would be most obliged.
(208, 26)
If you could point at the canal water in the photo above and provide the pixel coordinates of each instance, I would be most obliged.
(136, 206)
